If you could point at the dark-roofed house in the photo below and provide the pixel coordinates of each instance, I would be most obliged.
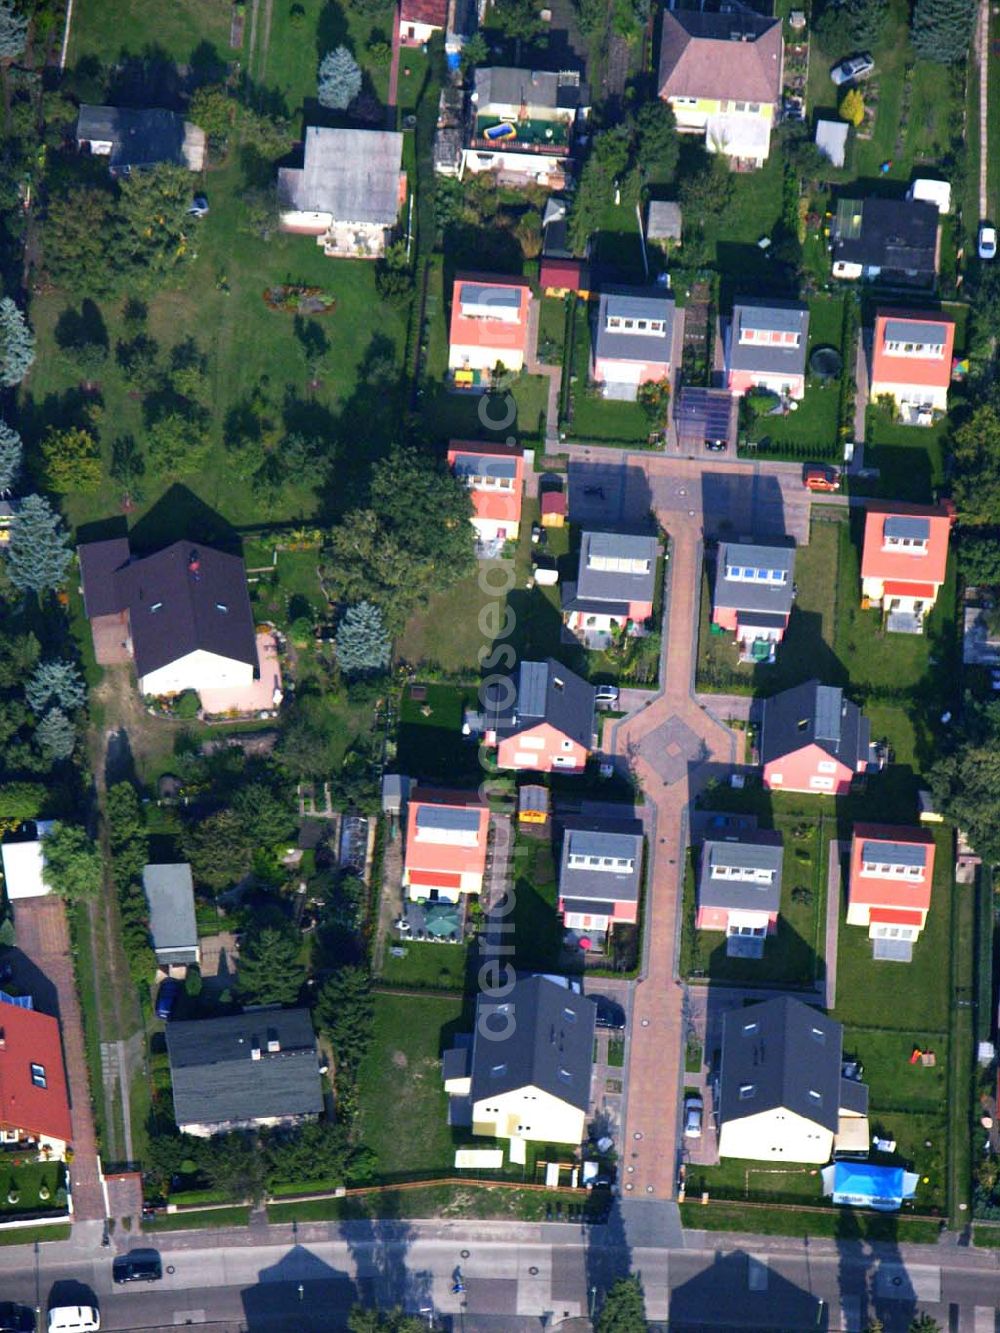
(600, 873)
(889, 890)
(133, 138)
(721, 74)
(348, 191)
(244, 1071)
(894, 241)
(812, 739)
(753, 595)
(419, 20)
(529, 1073)
(446, 837)
(632, 340)
(615, 584)
(169, 893)
(184, 611)
(524, 123)
(765, 347)
(545, 723)
(782, 1094)
(739, 891)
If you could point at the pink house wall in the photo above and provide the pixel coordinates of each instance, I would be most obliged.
(542, 759)
(717, 918)
(740, 381)
(627, 912)
(650, 370)
(797, 768)
(725, 616)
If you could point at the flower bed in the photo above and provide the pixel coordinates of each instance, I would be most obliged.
(294, 300)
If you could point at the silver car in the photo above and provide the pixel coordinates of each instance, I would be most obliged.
(694, 1110)
(854, 67)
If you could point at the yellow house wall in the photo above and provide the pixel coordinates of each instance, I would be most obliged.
(529, 1113)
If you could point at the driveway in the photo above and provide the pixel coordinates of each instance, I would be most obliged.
(44, 969)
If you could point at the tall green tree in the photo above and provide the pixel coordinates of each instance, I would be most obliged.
(846, 24)
(56, 734)
(57, 681)
(38, 554)
(976, 454)
(153, 222)
(271, 970)
(267, 814)
(17, 344)
(219, 850)
(624, 1308)
(345, 1012)
(13, 31)
(363, 646)
(604, 168)
(11, 455)
(72, 460)
(658, 145)
(178, 444)
(941, 30)
(428, 512)
(339, 80)
(363, 1320)
(72, 863)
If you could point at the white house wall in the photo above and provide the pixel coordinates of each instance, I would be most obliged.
(530, 1114)
(197, 671)
(776, 1136)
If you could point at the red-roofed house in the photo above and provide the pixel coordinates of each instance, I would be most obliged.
(557, 277)
(903, 562)
(34, 1102)
(494, 473)
(892, 870)
(489, 324)
(419, 20)
(911, 362)
(446, 835)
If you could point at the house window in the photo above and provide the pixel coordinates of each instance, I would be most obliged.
(821, 784)
(827, 766)
(739, 106)
(753, 108)
(747, 1090)
(614, 322)
(38, 1076)
(777, 779)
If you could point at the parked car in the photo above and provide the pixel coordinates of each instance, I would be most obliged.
(74, 1319)
(987, 245)
(167, 998)
(610, 1014)
(16, 1318)
(694, 1110)
(137, 1266)
(199, 207)
(606, 696)
(716, 446)
(817, 478)
(854, 67)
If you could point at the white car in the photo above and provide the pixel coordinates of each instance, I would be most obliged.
(74, 1319)
(987, 241)
(694, 1109)
(854, 67)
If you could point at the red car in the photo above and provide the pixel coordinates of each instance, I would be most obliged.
(820, 479)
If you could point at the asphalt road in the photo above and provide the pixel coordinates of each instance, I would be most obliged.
(309, 1283)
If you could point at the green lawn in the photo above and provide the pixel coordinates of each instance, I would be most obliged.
(794, 954)
(910, 459)
(908, 998)
(807, 647)
(537, 931)
(445, 634)
(403, 1109)
(111, 29)
(837, 1224)
(473, 1200)
(34, 1235)
(593, 417)
(815, 419)
(198, 1219)
(551, 328)
(436, 966)
(430, 741)
(27, 1180)
(895, 1084)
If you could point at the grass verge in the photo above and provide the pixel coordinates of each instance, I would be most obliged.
(237, 1216)
(844, 1224)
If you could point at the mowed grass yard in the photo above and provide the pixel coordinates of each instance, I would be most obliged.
(815, 419)
(246, 345)
(111, 29)
(403, 1108)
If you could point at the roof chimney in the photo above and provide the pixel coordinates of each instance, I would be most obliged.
(194, 564)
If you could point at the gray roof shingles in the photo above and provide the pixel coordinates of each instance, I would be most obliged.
(772, 317)
(620, 839)
(747, 595)
(139, 137)
(550, 1045)
(609, 585)
(829, 720)
(216, 1081)
(634, 303)
(783, 1050)
(763, 852)
(546, 692)
(170, 894)
(351, 174)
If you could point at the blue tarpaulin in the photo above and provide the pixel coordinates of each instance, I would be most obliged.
(866, 1186)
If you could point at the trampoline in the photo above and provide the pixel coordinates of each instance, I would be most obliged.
(826, 363)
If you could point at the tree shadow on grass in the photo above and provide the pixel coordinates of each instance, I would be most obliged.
(75, 328)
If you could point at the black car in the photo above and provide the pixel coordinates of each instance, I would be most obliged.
(137, 1266)
(610, 1014)
(16, 1318)
(716, 446)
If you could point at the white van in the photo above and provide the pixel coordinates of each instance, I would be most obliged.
(74, 1319)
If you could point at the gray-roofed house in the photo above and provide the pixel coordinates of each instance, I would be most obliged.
(632, 340)
(752, 595)
(600, 873)
(169, 893)
(347, 193)
(184, 613)
(765, 347)
(663, 223)
(739, 891)
(721, 72)
(812, 739)
(545, 723)
(893, 241)
(135, 138)
(528, 1078)
(614, 587)
(523, 124)
(244, 1071)
(783, 1096)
